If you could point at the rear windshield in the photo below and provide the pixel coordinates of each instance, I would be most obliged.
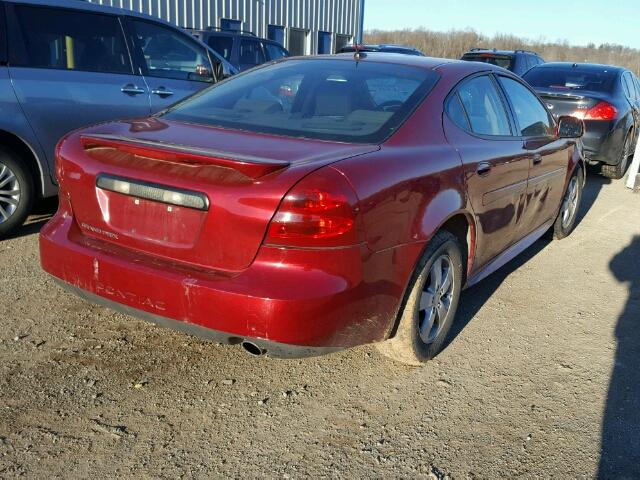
(571, 79)
(348, 101)
(503, 61)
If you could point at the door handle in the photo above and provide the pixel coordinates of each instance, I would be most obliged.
(537, 159)
(131, 89)
(162, 92)
(484, 169)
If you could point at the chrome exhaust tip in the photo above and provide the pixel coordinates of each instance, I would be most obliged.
(253, 349)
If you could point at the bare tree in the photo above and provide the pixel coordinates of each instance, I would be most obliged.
(454, 43)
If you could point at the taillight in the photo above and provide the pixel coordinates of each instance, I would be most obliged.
(320, 211)
(601, 111)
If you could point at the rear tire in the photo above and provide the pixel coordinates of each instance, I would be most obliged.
(568, 215)
(431, 305)
(17, 192)
(617, 171)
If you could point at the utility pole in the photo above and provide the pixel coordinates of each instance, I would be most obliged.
(359, 40)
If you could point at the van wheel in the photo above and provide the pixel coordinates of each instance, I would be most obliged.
(617, 171)
(16, 192)
(431, 305)
(566, 221)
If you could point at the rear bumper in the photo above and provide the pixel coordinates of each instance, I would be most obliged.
(603, 142)
(289, 302)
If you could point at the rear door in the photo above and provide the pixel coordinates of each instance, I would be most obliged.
(174, 64)
(547, 156)
(71, 68)
(496, 166)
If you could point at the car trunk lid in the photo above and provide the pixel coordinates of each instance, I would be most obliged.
(561, 101)
(194, 195)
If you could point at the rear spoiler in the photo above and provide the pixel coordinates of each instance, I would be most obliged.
(253, 167)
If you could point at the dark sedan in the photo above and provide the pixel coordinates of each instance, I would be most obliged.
(605, 97)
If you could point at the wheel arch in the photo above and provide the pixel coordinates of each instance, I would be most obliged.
(28, 156)
(461, 225)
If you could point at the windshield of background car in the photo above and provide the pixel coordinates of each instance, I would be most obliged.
(571, 79)
(347, 101)
(503, 61)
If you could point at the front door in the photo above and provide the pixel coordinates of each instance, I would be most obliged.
(71, 68)
(478, 126)
(174, 65)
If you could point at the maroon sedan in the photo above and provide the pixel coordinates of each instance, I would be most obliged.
(315, 204)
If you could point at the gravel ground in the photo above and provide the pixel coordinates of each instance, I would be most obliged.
(540, 379)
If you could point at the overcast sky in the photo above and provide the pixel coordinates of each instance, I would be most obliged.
(579, 22)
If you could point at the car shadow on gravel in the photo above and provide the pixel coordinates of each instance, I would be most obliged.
(620, 449)
(41, 214)
(473, 298)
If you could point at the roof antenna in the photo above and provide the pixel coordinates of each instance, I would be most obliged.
(359, 55)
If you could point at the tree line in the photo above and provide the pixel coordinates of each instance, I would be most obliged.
(454, 43)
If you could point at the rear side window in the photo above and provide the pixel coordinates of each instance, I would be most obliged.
(221, 44)
(68, 40)
(484, 107)
(456, 112)
(325, 99)
(533, 119)
(251, 53)
(570, 78)
(168, 53)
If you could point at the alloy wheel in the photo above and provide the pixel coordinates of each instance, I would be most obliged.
(9, 193)
(435, 301)
(570, 203)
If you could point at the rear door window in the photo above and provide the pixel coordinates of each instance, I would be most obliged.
(532, 118)
(251, 53)
(484, 107)
(222, 44)
(68, 40)
(168, 53)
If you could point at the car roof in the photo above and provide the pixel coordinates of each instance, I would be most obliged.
(499, 52)
(429, 63)
(594, 67)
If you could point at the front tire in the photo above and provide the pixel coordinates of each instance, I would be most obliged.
(16, 192)
(431, 305)
(568, 215)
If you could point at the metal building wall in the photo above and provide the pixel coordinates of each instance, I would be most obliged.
(334, 16)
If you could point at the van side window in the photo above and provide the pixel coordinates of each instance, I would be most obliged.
(484, 107)
(68, 40)
(169, 53)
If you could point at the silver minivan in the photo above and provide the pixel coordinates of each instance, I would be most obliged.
(68, 63)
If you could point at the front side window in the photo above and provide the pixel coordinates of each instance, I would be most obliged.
(484, 107)
(251, 53)
(168, 53)
(274, 52)
(533, 119)
(221, 44)
(68, 40)
(324, 99)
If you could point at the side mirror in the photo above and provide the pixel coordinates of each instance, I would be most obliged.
(570, 127)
